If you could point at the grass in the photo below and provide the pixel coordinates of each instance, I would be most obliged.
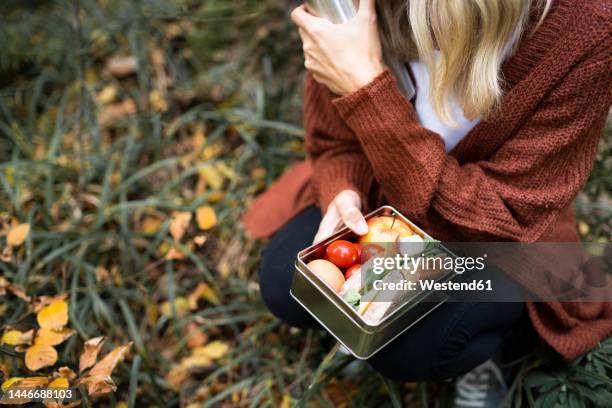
(98, 163)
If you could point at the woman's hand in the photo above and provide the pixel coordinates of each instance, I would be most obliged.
(344, 208)
(343, 57)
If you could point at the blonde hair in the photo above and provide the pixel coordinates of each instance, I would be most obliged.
(471, 37)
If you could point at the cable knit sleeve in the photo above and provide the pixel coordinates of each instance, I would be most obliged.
(338, 160)
(515, 193)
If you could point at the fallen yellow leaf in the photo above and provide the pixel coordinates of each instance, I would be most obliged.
(177, 375)
(179, 224)
(214, 350)
(212, 177)
(21, 382)
(31, 382)
(39, 356)
(157, 101)
(17, 235)
(202, 291)
(176, 253)
(196, 361)
(59, 382)
(181, 306)
(41, 302)
(48, 337)
(150, 225)
(206, 217)
(16, 337)
(215, 197)
(90, 352)
(107, 94)
(54, 316)
(7, 384)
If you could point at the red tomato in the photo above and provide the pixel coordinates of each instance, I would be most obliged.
(358, 247)
(351, 270)
(370, 250)
(342, 253)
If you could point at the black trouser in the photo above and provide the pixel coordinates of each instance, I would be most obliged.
(450, 341)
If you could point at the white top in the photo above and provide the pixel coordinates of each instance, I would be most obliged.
(427, 115)
(429, 118)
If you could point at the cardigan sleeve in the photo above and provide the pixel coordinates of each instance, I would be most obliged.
(513, 195)
(338, 160)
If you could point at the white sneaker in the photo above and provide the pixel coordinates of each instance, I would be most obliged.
(483, 387)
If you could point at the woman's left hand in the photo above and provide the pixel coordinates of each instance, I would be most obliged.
(343, 57)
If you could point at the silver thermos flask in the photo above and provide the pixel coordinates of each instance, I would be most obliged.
(340, 11)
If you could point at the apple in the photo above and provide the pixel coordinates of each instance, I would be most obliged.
(386, 228)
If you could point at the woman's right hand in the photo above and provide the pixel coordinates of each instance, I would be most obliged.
(345, 209)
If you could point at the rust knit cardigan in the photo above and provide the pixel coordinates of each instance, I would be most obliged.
(512, 178)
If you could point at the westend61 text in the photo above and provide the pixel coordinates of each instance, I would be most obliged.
(430, 284)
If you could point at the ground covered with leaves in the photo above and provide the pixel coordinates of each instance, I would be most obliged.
(132, 136)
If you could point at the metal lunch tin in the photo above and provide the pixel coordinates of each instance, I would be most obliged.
(340, 319)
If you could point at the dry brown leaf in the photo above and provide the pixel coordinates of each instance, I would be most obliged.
(200, 240)
(102, 274)
(112, 112)
(25, 382)
(15, 337)
(7, 254)
(110, 361)
(65, 372)
(90, 352)
(177, 375)
(48, 337)
(54, 316)
(39, 356)
(28, 382)
(179, 224)
(98, 380)
(18, 234)
(121, 66)
(5, 370)
(16, 290)
(202, 291)
(175, 254)
(195, 336)
(98, 385)
(214, 350)
(41, 302)
(206, 217)
(258, 172)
